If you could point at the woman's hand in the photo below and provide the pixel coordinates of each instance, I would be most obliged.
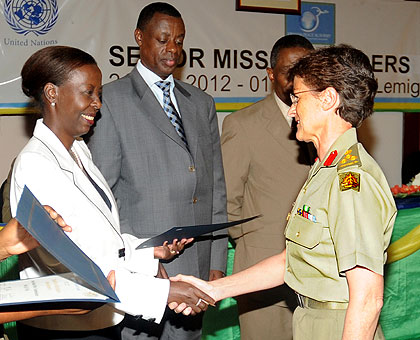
(169, 251)
(15, 240)
(205, 286)
(201, 302)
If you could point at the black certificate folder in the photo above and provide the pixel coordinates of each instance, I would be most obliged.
(37, 221)
(189, 231)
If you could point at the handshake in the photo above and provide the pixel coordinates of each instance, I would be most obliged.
(190, 295)
(187, 294)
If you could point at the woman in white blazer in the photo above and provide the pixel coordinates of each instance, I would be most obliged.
(57, 167)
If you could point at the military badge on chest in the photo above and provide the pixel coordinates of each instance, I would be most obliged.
(305, 212)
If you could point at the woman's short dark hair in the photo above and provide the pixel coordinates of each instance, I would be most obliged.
(348, 71)
(51, 64)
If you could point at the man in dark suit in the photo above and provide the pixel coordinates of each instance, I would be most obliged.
(157, 144)
(265, 167)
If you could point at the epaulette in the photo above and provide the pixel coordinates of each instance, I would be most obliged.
(350, 158)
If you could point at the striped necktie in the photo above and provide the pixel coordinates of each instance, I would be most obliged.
(170, 110)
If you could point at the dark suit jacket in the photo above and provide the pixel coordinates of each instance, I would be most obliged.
(156, 181)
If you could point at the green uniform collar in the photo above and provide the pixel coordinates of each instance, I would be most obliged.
(341, 145)
(337, 151)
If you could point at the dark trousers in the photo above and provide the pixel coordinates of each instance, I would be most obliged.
(26, 332)
(172, 327)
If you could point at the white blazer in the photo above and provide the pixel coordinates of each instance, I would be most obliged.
(46, 167)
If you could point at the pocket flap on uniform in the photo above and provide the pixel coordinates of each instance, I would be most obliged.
(304, 232)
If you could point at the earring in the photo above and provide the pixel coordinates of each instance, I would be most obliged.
(52, 104)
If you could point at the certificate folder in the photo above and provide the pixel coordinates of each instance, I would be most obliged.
(37, 221)
(189, 231)
(48, 292)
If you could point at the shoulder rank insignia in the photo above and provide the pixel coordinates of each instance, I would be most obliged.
(350, 157)
(349, 180)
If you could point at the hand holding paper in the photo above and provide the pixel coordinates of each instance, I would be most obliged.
(187, 232)
(15, 240)
(169, 250)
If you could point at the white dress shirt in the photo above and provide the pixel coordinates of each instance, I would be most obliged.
(151, 78)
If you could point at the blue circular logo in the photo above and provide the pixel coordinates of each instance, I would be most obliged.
(308, 21)
(31, 16)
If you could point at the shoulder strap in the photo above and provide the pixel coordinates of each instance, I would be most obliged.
(350, 158)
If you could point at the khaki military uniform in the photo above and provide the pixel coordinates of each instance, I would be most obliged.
(264, 170)
(343, 217)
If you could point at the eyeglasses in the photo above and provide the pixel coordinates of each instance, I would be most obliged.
(295, 98)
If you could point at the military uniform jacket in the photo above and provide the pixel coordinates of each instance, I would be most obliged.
(343, 217)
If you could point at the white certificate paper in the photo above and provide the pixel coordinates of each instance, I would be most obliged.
(54, 288)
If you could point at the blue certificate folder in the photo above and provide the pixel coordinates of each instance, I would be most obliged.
(189, 231)
(37, 221)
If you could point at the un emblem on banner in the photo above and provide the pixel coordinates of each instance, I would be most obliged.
(31, 16)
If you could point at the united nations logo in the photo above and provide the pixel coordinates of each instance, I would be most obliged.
(31, 16)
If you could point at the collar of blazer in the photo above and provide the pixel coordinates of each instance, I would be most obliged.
(274, 120)
(148, 103)
(80, 180)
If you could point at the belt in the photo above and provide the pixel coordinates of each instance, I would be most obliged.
(306, 302)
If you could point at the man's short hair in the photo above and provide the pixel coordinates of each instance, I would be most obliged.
(288, 41)
(147, 13)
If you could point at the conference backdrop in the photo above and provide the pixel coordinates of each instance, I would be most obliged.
(225, 52)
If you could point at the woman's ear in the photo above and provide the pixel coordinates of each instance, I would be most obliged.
(330, 99)
(50, 93)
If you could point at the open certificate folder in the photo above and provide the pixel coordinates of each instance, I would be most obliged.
(86, 282)
(54, 288)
